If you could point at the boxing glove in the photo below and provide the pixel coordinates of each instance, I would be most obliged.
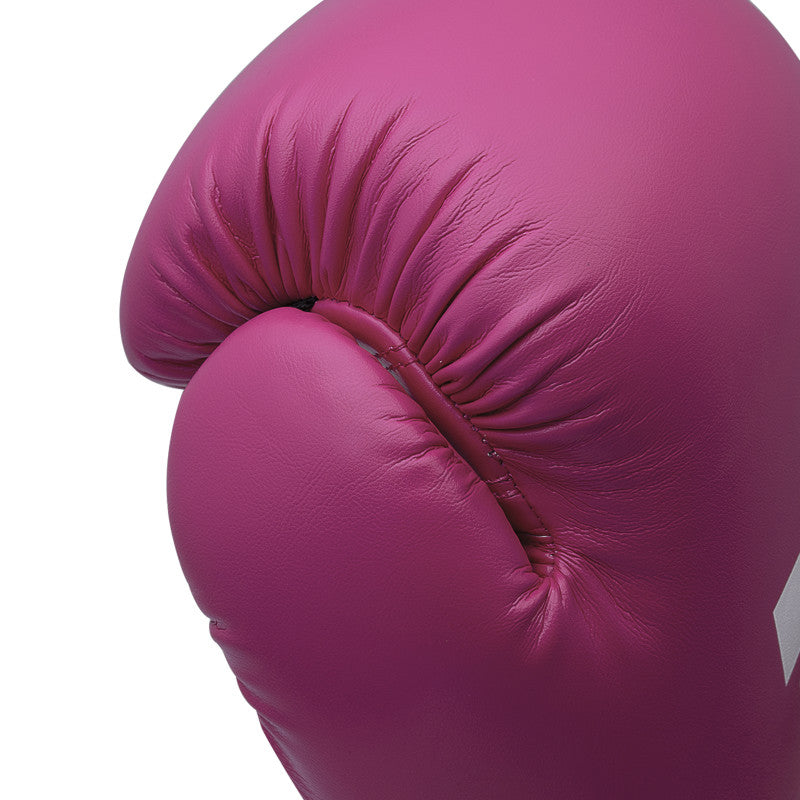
(486, 468)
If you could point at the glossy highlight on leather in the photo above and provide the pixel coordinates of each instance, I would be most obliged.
(545, 562)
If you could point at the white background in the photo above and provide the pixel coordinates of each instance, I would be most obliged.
(110, 686)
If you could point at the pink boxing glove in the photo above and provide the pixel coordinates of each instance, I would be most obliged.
(486, 470)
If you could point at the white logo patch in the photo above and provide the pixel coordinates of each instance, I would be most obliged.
(787, 621)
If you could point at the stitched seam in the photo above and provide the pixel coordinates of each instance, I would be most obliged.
(515, 490)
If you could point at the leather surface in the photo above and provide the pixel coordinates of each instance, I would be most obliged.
(548, 569)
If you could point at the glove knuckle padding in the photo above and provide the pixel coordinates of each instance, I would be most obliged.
(507, 513)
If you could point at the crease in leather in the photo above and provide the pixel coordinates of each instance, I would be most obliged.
(454, 424)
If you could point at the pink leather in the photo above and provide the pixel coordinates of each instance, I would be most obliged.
(532, 548)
